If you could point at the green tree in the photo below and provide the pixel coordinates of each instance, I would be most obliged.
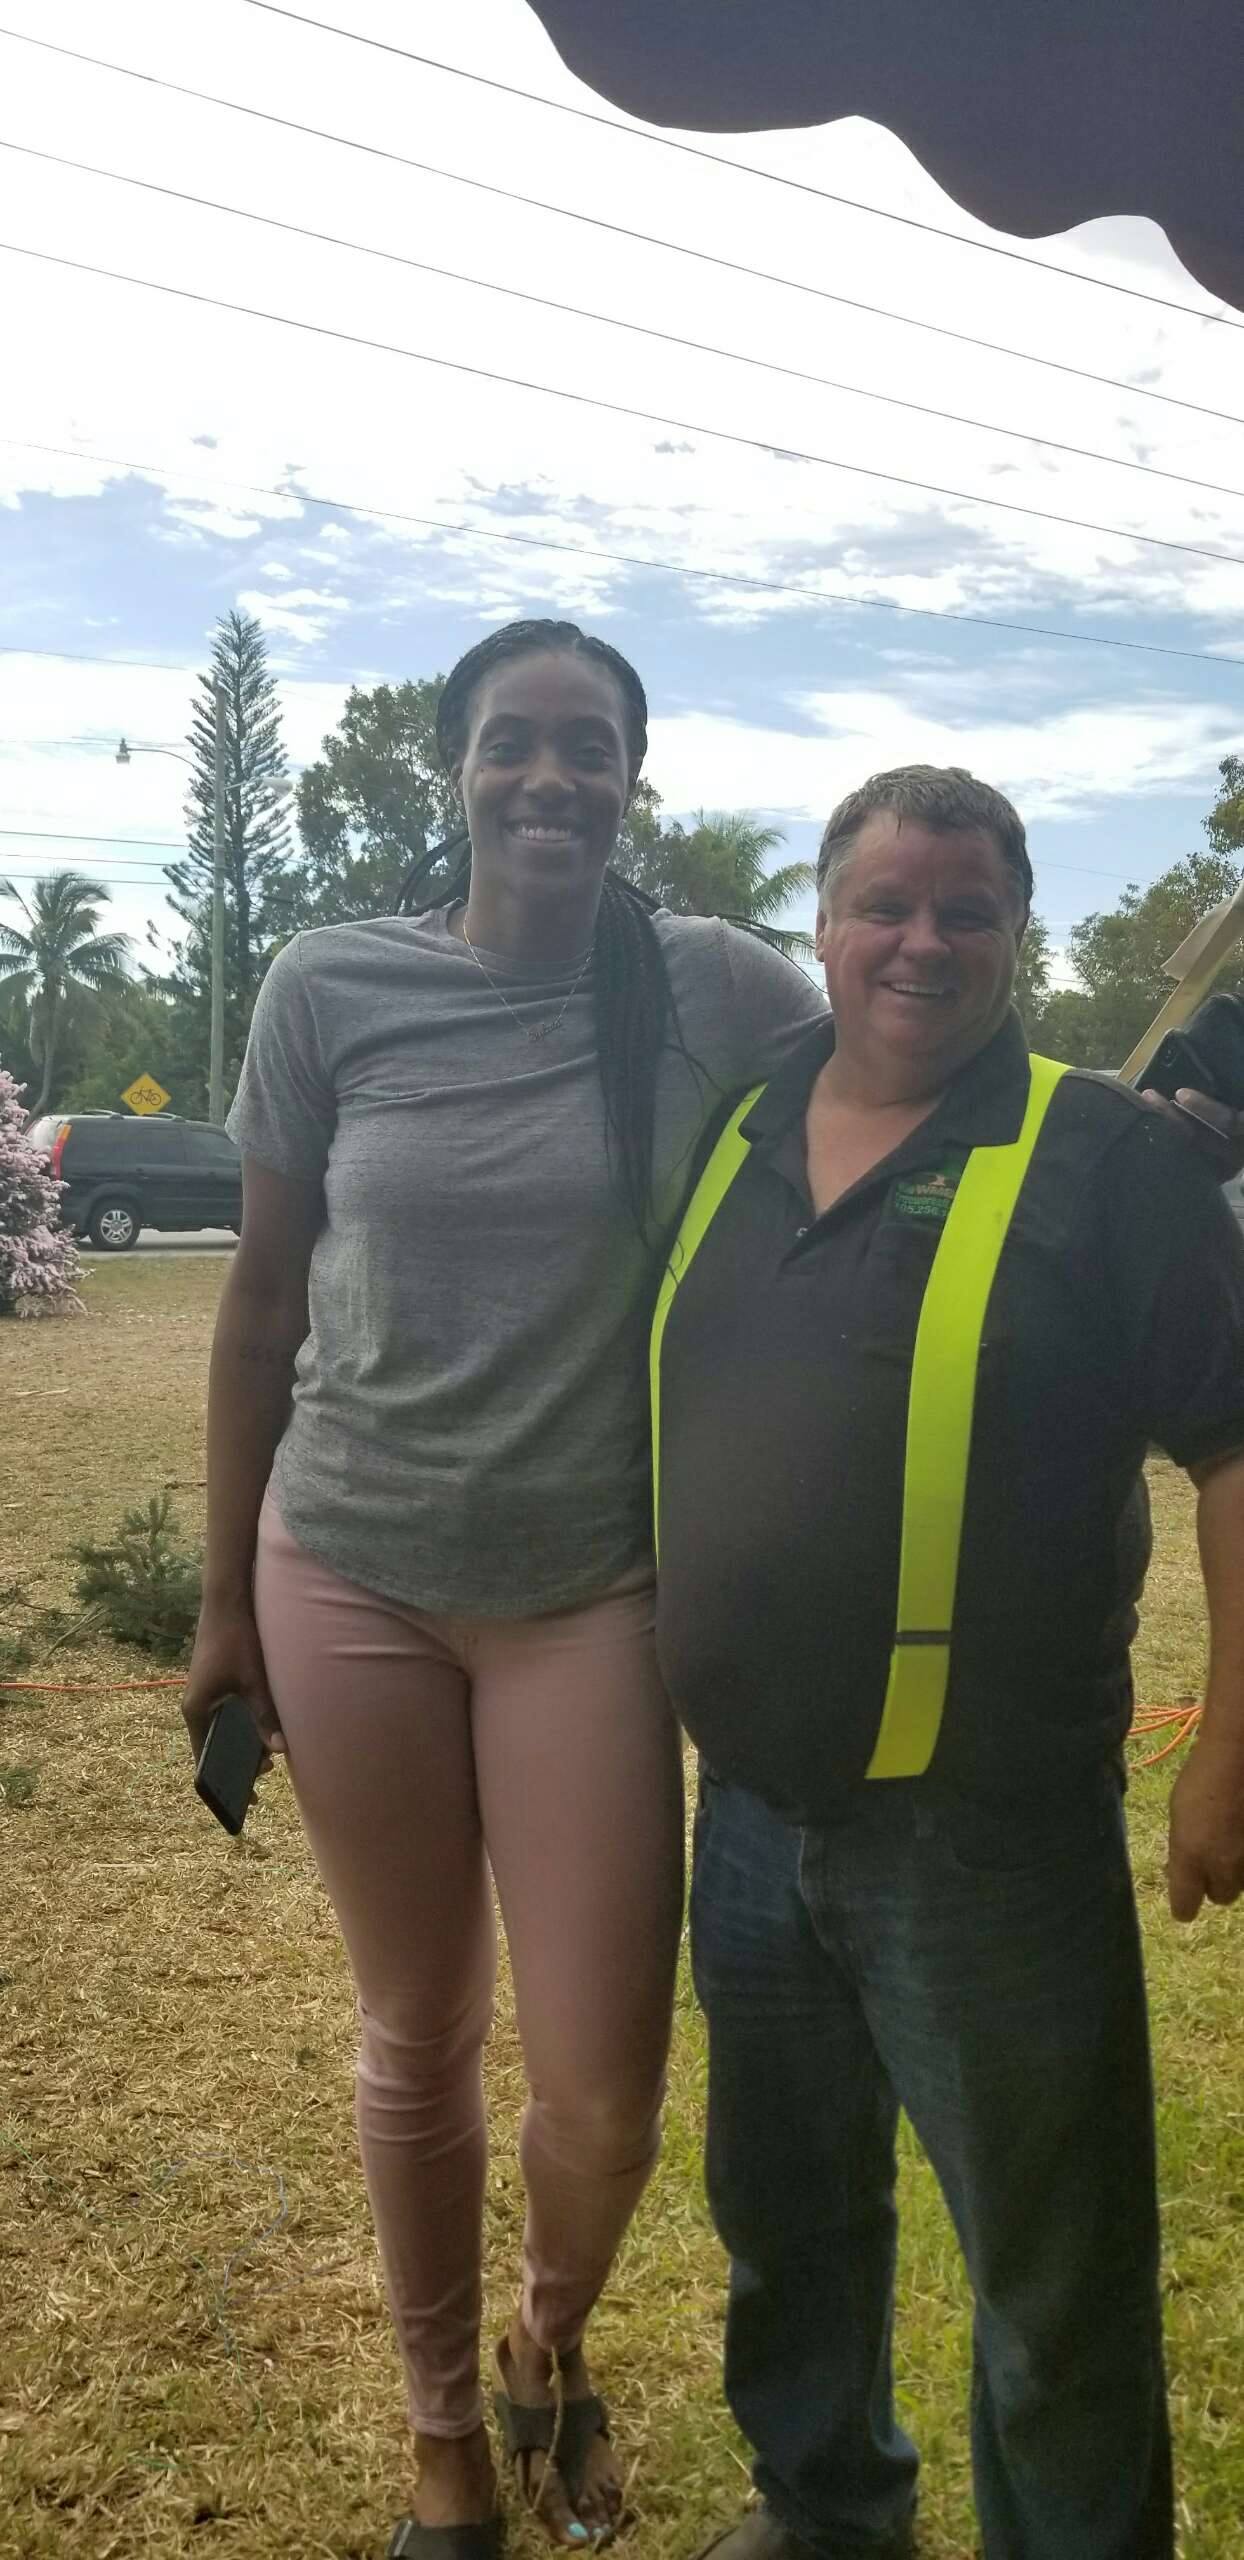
(641, 832)
(372, 802)
(259, 888)
(719, 867)
(57, 965)
(378, 796)
(1118, 953)
(1068, 1029)
(1225, 823)
(14, 1037)
(140, 1029)
(1118, 956)
(1032, 978)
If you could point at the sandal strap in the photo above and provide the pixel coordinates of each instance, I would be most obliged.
(524, 2429)
(564, 2435)
(415, 2541)
(583, 2421)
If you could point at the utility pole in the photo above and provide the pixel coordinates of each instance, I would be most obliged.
(216, 1063)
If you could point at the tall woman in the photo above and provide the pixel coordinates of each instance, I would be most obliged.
(464, 1138)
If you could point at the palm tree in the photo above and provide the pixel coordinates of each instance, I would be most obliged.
(719, 867)
(61, 956)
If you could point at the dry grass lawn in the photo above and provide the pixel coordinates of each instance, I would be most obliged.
(194, 2354)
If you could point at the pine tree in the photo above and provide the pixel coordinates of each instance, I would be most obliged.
(258, 912)
(38, 1263)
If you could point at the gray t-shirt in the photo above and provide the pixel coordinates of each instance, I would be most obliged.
(469, 1432)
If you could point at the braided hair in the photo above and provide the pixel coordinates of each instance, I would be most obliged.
(631, 990)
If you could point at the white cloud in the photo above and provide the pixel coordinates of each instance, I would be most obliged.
(1063, 765)
(300, 613)
(63, 777)
(434, 442)
(230, 418)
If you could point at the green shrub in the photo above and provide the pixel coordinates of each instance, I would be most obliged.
(143, 1584)
(18, 1785)
(15, 1656)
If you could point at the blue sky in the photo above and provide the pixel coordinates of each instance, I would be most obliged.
(131, 542)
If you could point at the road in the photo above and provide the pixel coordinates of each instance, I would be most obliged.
(204, 1240)
(222, 1239)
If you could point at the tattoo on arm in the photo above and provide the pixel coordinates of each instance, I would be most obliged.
(265, 1355)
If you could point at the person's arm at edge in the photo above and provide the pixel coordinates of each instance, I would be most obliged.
(773, 1003)
(260, 1329)
(1206, 1852)
(1212, 1129)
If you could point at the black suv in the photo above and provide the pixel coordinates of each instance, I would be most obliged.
(123, 1173)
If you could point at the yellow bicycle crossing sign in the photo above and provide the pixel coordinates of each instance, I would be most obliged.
(145, 1096)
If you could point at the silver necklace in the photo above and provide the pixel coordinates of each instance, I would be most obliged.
(542, 1030)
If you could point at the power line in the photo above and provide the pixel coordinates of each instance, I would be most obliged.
(93, 657)
(617, 408)
(741, 168)
(31, 869)
(134, 845)
(582, 551)
(15, 871)
(608, 320)
(137, 845)
(118, 881)
(621, 231)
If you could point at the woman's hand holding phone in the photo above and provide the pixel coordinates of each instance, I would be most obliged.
(227, 1661)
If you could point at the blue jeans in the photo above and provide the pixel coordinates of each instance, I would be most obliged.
(984, 1973)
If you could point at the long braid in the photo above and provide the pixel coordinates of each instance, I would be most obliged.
(633, 999)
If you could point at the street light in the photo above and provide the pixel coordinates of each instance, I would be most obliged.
(125, 753)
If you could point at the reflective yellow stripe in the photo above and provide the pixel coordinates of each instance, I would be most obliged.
(939, 1411)
(729, 1153)
(939, 1436)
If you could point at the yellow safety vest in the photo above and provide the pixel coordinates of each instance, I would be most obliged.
(939, 1411)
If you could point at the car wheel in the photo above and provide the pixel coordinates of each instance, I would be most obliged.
(113, 1226)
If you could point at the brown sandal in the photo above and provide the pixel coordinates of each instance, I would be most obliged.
(563, 2431)
(415, 2541)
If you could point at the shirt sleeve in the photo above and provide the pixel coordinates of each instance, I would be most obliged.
(1175, 1268)
(772, 1002)
(284, 1111)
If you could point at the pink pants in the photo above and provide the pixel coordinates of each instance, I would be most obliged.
(424, 1751)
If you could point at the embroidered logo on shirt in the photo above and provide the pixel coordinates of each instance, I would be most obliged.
(926, 1196)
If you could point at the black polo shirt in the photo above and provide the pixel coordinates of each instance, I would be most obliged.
(1116, 1320)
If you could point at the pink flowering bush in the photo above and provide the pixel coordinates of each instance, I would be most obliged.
(38, 1262)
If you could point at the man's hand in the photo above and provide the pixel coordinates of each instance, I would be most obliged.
(1215, 1131)
(1205, 1861)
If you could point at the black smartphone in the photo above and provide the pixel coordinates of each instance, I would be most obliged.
(229, 1763)
(1207, 1056)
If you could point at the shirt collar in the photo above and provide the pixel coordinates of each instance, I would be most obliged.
(984, 1107)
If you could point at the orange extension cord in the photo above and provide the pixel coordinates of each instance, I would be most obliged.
(1149, 1720)
(1146, 1721)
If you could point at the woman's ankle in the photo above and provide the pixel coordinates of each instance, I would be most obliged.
(529, 2357)
(456, 2483)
